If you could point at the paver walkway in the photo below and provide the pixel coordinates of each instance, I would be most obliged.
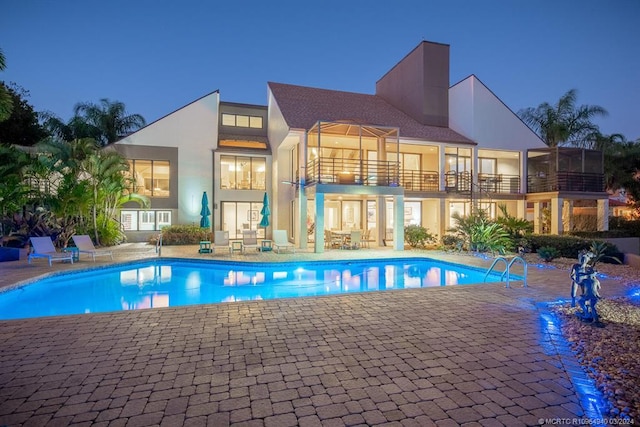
(462, 355)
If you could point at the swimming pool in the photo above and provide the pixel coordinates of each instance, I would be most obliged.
(176, 282)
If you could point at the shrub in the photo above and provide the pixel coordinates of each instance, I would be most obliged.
(452, 242)
(418, 236)
(479, 233)
(567, 246)
(603, 252)
(548, 253)
(570, 246)
(491, 238)
(184, 235)
(630, 227)
(516, 227)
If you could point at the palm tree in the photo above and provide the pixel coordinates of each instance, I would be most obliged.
(565, 123)
(6, 104)
(109, 118)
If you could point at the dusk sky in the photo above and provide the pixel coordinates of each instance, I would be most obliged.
(156, 56)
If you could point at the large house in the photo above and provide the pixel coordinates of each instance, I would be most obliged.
(416, 151)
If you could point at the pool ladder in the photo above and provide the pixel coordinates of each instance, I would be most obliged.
(159, 245)
(507, 270)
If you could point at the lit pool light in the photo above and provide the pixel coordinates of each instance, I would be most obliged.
(591, 399)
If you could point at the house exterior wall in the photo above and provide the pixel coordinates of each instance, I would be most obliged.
(193, 130)
(475, 112)
(419, 84)
(282, 141)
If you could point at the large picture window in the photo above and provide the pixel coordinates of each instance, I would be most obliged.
(238, 216)
(150, 177)
(144, 220)
(242, 173)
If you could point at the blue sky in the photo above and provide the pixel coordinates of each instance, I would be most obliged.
(156, 56)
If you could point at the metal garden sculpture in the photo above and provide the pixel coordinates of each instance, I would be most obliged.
(583, 277)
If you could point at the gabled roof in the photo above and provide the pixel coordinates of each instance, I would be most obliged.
(302, 107)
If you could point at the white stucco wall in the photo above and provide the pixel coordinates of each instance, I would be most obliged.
(194, 130)
(478, 114)
(282, 139)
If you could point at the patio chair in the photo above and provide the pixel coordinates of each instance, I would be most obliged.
(355, 240)
(221, 240)
(368, 238)
(42, 247)
(249, 240)
(280, 240)
(331, 240)
(85, 246)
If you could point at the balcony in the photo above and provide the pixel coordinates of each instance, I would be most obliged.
(499, 183)
(566, 181)
(326, 170)
(460, 182)
(413, 180)
(565, 169)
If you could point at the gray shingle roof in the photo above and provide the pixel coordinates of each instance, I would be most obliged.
(303, 106)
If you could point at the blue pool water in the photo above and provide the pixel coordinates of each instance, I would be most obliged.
(168, 283)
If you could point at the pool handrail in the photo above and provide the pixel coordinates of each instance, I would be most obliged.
(507, 269)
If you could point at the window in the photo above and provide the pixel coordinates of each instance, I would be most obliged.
(242, 173)
(242, 121)
(238, 216)
(144, 220)
(487, 165)
(407, 161)
(150, 177)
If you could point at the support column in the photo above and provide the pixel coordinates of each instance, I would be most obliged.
(537, 218)
(302, 219)
(442, 217)
(441, 168)
(398, 223)
(302, 196)
(567, 215)
(319, 220)
(556, 216)
(521, 209)
(603, 214)
(381, 224)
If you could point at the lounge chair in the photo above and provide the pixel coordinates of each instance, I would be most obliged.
(249, 240)
(42, 247)
(281, 241)
(85, 246)
(221, 240)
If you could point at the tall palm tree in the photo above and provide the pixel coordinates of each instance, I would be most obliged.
(109, 118)
(6, 104)
(563, 123)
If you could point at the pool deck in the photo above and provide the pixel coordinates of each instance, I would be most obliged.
(462, 355)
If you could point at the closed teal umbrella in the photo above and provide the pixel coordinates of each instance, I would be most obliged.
(265, 212)
(205, 212)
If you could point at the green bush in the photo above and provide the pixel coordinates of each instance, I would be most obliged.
(184, 235)
(452, 242)
(481, 234)
(567, 246)
(109, 232)
(548, 253)
(418, 236)
(630, 227)
(570, 246)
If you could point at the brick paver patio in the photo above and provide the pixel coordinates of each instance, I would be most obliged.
(463, 355)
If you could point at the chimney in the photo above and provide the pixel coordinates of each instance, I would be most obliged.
(418, 85)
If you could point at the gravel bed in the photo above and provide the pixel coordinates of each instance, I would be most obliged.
(609, 354)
